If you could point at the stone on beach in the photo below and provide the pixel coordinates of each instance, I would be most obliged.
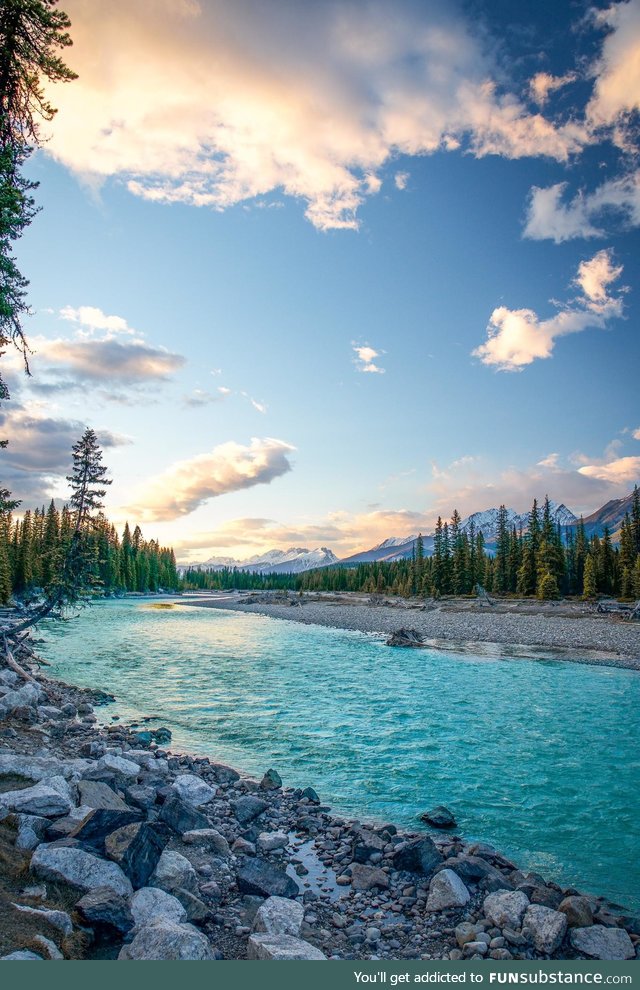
(209, 838)
(193, 790)
(96, 794)
(599, 942)
(50, 798)
(365, 877)
(446, 890)
(258, 876)
(281, 947)
(149, 903)
(166, 939)
(547, 927)
(279, 916)
(78, 869)
(181, 816)
(418, 856)
(103, 906)
(248, 808)
(174, 871)
(506, 908)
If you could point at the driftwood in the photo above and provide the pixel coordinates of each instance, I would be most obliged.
(406, 637)
(483, 596)
(11, 662)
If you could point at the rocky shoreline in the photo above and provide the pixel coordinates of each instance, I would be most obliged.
(569, 630)
(112, 847)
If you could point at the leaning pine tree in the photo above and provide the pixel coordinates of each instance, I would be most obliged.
(73, 572)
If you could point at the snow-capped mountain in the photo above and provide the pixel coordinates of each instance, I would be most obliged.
(290, 561)
(487, 521)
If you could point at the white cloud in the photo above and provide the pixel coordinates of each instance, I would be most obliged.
(622, 469)
(636, 434)
(229, 467)
(91, 318)
(259, 406)
(365, 359)
(550, 461)
(587, 214)
(516, 338)
(543, 84)
(401, 179)
(616, 92)
(313, 99)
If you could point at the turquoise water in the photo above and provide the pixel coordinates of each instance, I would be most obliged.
(539, 757)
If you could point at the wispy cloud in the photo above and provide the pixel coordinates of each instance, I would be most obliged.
(312, 99)
(616, 201)
(229, 467)
(365, 359)
(543, 84)
(517, 337)
(401, 179)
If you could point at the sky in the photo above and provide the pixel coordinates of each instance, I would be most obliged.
(318, 273)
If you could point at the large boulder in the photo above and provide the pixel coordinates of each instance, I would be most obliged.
(151, 903)
(99, 823)
(57, 919)
(547, 927)
(166, 939)
(79, 869)
(446, 890)
(506, 909)
(475, 869)
(248, 808)
(577, 910)
(96, 794)
(418, 856)
(438, 817)
(137, 849)
(258, 876)
(279, 916)
(174, 871)
(271, 841)
(210, 838)
(182, 817)
(193, 790)
(27, 696)
(599, 942)
(364, 877)
(104, 908)
(281, 947)
(119, 766)
(50, 798)
(39, 767)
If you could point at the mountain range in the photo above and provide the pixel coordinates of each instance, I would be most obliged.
(297, 559)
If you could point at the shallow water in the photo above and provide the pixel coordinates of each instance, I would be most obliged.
(538, 757)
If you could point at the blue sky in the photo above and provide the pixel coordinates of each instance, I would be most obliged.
(318, 273)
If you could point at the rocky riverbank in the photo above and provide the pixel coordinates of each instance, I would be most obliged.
(113, 847)
(569, 630)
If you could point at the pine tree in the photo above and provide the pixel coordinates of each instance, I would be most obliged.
(590, 588)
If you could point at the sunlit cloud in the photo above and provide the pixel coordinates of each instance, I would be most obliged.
(550, 461)
(229, 467)
(92, 318)
(616, 201)
(312, 99)
(365, 359)
(543, 84)
(616, 95)
(622, 469)
(516, 338)
(401, 179)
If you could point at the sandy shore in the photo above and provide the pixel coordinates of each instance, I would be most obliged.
(571, 631)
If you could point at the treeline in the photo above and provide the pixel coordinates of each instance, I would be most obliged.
(546, 561)
(32, 548)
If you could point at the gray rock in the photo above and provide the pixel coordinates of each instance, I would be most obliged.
(137, 849)
(506, 908)
(141, 795)
(182, 817)
(446, 890)
(78, 869)
(103, 906)
(465, 932)
(96, 794)
(271, 781)
(151, 903)
(193, 790)
(99, 823)
(248, 808)
(174, 871)
(122, 768)
(48, 799)
(57, 919)
(311, 795)
(577, 910)
(196, 909)
(474, 869)
(599, 942)
(270, 841)
(49, 948)
(49, 713)
(27, 696)
(439, 817)
(418, 856)
(168, 940)
(279, 916)
(208, 837)
(281, 947)
(22, 955)
(258, 876)
(547, 927)
(365, 877)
